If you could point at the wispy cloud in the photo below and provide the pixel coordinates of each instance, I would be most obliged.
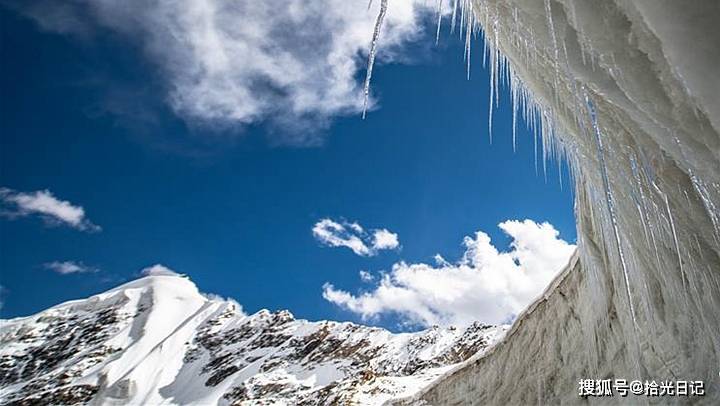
(294, 64)
(44, 204)
(366, 276)
(485, 284)
(69, 267)
(353, 236)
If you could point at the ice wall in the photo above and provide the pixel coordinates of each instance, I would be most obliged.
(629, 90)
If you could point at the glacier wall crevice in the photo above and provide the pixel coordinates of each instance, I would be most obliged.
(628, 92)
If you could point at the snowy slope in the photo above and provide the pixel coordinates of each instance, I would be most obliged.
(157, 340)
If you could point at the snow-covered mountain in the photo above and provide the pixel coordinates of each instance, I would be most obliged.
(158, 340)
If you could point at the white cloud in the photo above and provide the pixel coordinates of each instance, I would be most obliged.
(485, 284)
(354, 236)
(234, 304)
(69, 267)
(335, 234)
(42, 203)
(366, 276)
(385, 240)
(158, 270)
(295, 63)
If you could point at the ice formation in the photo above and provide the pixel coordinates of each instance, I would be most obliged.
(373, 52)
(628, 92)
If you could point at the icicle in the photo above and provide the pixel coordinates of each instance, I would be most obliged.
(373, 51)
(498, 66)
(468, 37)
(535, 146)
(642, 208)
(462, 18)
(544, 127)
(486, 52)
(454, 16)
(559, 161)
(710, 207)
(610, 203)
(514, 99)
(654, 241)
(675, 240)
(553, 39)
(492, 92)
(439, 22)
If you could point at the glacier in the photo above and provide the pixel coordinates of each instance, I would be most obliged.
(627, 91)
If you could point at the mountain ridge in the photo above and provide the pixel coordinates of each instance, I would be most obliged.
(158, 340)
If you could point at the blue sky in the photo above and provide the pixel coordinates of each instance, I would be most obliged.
(86, 117)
